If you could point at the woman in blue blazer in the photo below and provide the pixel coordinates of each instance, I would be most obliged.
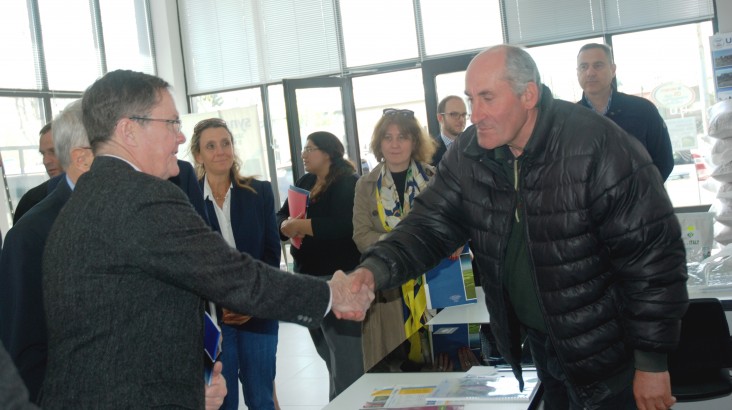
(242, 209)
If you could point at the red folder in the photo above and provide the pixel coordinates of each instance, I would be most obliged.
(297, 200)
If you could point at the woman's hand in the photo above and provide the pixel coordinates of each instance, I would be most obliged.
(234, 319)
(291, 227)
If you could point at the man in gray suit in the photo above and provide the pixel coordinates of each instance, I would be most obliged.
(23, 324)
(121, 312)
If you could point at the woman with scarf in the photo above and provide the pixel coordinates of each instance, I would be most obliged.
(383, 198)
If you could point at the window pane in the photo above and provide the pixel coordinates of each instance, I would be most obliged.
(371, 94)
(557, 65)
(378, 31)
(299, 39)
(649, 71)
(452, 84)
(68, 41)
(21, 119)
(219, 44)
(321, 109)
(18, 68)
(539, 21)
(479, 28)
(58, 104)
(127, 42)
(280, 140)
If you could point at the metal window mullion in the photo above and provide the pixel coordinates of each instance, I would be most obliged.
(39, 55)
(96, 16)
(422, 50)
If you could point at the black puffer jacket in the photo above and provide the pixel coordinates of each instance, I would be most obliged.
(605, 244)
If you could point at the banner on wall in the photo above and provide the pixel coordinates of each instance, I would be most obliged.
(721, 48)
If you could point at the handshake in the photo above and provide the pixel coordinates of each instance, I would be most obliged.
(352, 294)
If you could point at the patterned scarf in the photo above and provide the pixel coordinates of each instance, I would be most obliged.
(391, 212)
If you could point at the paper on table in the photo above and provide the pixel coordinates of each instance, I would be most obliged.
(297, 201)
(483, 389)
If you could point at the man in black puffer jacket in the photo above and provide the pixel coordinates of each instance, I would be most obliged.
(573, 233)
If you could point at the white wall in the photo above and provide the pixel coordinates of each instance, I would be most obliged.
(168, 51)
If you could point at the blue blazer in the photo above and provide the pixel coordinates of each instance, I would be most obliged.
(22, 317)
(252, 221)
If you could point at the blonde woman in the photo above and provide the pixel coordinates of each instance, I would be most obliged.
(242, 210)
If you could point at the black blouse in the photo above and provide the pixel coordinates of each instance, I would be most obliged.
(331, 247)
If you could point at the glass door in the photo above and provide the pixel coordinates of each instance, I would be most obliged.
(443, 77)
(320, 104)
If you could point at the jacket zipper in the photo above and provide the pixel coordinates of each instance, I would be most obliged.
(520, 199)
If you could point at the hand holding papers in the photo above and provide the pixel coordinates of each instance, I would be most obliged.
(348, 304)
(216, 390)
(297, 202)
(211, 346)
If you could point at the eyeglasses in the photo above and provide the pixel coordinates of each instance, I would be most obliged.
(456, 115)
(309, 150)
(394, 111)
(175, 124)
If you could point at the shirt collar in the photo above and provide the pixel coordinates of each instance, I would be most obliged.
(120, 158)
(607, 107)
(208, 193)
(446, 140)
(71, 184)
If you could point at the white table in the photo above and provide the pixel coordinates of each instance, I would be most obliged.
(468, 313)
(360, 391)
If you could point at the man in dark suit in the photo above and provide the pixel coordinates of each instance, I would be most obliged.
(53, 169)
(452, 114)
(122, 313)
(23, 324)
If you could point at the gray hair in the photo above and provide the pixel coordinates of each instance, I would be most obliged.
(69, 133)
(520, 69)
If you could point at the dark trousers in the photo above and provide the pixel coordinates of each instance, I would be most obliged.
(558, 393)
(338, 343)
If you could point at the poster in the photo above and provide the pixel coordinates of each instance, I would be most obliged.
(721, 48)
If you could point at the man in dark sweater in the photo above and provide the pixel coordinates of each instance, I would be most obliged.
(637, 116)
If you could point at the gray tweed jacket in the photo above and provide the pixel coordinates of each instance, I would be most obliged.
(126, 266)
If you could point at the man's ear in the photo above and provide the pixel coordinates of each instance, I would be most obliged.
(127, 131)
(82, 158)
(530, 97)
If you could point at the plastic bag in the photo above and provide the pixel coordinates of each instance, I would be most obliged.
(717, 269)
(697, 232)
(723, 173)
(722, 151)
(720, 119)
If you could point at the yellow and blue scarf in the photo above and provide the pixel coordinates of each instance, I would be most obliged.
(391, 212)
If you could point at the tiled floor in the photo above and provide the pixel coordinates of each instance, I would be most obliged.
(302, 378)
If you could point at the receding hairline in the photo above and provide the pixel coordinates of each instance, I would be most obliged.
(598, 46)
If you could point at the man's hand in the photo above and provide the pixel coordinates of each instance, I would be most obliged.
(349, 304)
(216, 392)
(652, 391)
(456, 255)
(361, 277)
